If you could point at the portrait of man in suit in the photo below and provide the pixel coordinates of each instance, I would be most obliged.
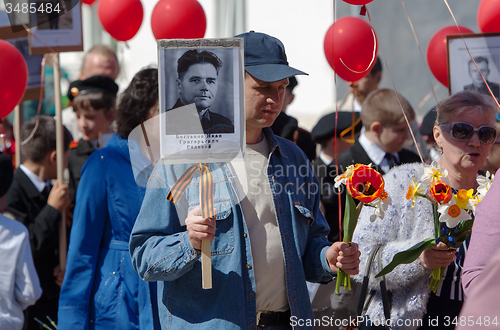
(478, 84)
(197, 83)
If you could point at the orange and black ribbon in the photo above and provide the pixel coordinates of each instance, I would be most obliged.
(206, 188)
(350, 129)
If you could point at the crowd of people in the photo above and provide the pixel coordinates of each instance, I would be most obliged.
(134, 254)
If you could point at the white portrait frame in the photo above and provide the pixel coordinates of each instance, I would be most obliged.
(181, 146)
(44, 41)
(486, 45)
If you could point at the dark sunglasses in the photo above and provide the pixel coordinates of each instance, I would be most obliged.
(464, 132)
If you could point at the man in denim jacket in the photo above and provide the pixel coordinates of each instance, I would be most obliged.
(264, 245)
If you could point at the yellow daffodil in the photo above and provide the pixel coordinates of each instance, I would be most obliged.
(462, 198)
(414, 191)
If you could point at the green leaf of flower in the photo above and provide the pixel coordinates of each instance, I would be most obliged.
(408, 256)
(350, 218)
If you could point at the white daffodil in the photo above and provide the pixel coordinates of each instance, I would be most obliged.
(380, 206)
(484, 183)
(474, 201)
(434, 173)
(452, 214)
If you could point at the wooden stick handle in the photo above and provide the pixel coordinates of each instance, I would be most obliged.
(206, 264)
(63, 240)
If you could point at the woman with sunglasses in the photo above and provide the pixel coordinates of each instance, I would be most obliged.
(464, 132)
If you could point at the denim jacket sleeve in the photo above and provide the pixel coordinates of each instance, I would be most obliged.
(159, 245)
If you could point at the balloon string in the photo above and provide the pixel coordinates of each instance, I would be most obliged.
(3, 136)
(40, 97)
(470, 55)
(339, 200)
(39, 103)
(28, 30)
(401, 106)
(419, 49)
(404, 114)
(426, 98)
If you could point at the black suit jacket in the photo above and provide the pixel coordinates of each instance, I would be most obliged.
(355, 155)
(218, 124)
(26, 204)
(329, 197)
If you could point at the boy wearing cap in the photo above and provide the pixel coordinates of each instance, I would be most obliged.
(263, 248)
(37, 204)
(94, 101)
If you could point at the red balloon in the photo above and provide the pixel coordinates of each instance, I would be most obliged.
(174, 19)
(437, 51)
(358, 2)
(14, 73)
(121, 18)
(488, 16)
(88, 2)
(352, 41)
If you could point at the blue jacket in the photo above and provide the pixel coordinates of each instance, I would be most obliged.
(101, 290)
(161, 251)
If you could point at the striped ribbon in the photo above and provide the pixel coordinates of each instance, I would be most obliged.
(206, 188)
(350, 129)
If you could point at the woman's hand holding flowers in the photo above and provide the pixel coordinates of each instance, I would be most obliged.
(437, 256)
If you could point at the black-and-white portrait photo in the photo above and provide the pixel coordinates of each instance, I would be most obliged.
(477, 84)
(482, 50)
(201, 99)
(197, 83)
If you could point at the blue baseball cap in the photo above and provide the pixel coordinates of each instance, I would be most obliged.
(265, 57)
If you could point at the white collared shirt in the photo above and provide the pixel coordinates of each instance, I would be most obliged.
(324, 158)
(39, 183)
(376, 154)
(19, 283)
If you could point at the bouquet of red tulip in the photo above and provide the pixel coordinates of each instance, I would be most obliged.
(367, 186)
(452, 213)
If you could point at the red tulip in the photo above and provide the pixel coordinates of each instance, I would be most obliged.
(365, 184)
